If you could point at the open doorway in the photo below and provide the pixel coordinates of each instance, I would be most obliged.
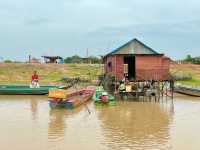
(130, 62)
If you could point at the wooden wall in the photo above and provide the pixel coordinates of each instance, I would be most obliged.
(148, 67)
(152, 68)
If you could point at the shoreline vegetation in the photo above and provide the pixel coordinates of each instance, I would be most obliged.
(51, 74)
(190, 74)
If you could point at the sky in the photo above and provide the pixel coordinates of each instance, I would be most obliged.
(69, 27)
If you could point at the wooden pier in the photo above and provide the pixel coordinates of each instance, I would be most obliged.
(143, 90)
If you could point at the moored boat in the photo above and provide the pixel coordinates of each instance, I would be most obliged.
(72, 100)
(24, 90)
(187, 90)
(102, 97)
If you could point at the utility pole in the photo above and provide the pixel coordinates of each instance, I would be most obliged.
(87, 55)
(29, 58)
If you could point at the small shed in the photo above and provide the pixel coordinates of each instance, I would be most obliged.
(34, 60)
(53, 59)
(137, 61)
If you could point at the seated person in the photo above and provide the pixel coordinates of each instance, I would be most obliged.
(104, 97)
(35, 80)
(122, 87)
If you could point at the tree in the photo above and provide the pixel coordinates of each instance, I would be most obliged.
(78, 59)
(7, 61)
(95, 60)
(189, 58)
(73, 59)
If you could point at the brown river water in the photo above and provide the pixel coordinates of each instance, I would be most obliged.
(27, 123)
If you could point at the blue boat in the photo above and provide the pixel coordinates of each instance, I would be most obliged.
(76, 99)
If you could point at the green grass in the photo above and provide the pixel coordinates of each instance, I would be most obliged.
(20, 73)
(2, 72)
(193, 82)
(188, 69)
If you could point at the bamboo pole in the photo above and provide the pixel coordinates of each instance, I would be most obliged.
(115, 73)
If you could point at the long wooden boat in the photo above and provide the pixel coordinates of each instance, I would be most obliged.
(24, 90)
(74, 99)
(187, 91)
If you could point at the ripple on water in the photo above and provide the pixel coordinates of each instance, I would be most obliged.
(128, 125)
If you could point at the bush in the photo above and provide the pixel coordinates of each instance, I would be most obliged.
(7, 61)
(78, 59)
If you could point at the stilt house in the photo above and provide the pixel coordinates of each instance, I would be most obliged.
(138, 61)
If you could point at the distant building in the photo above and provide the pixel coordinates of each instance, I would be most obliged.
(86, 60)
(1, 59)
(138, 61)
(35, 60)
(53, 59)
(181, 62)
(197, 58)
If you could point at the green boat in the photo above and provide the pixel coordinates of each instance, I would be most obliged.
(25, 90)
(97, 97)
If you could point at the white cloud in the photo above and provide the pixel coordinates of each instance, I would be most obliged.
(79, 24)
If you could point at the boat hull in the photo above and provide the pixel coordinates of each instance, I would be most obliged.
(24, 90)
(187, 91)
(96, 98)
(74, 100)
(68, 104)
(110, 103)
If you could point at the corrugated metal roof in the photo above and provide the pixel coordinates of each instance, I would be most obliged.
(133, 47)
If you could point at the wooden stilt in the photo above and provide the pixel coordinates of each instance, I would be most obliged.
(172, 89)
(158, 90)
(166, 90)
(162, 89)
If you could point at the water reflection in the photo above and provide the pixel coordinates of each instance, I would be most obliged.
(21, 101)
(27, 122)
(132, 124)
(57, 126)
(34, 107)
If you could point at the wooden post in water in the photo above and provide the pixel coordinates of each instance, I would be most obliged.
(158, 90)
(115, 74)
(172, 89)
(162, 90)
(166, 90)
(137, 97)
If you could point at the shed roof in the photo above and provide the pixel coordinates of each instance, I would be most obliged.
(52, 57)
(134, 47)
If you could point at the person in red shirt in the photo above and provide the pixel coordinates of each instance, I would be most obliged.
(34, 80)
(35, 76)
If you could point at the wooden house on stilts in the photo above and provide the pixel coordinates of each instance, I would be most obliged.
(144, 67)
(138, 61)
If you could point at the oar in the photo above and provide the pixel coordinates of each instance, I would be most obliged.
(87, 109)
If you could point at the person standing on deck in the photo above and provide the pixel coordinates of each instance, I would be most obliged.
(122, 89)
(35, 80)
